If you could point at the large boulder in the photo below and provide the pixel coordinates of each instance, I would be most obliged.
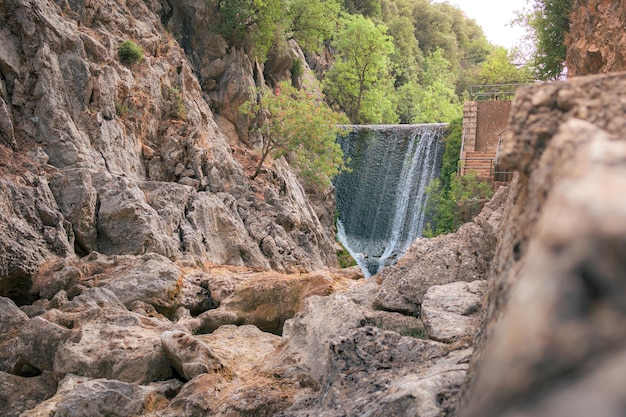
(267, 300)
(80, 396)
(190, 357)
(553, 338)
(32, 230)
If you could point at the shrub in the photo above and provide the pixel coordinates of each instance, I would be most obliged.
(121, 108)
(129, 52)
(179, 110)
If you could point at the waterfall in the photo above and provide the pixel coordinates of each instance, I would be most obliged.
(381, 201)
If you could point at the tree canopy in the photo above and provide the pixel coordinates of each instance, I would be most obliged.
(297, 123)
(391, 61)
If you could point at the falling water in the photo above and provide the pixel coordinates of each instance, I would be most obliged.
(381, 201)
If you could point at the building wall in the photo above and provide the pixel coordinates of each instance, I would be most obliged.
(492, 118)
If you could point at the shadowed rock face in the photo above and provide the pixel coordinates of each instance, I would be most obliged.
(553, 340)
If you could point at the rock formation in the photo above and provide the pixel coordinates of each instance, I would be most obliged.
(596, 39)
(552, 342)
(100, 162)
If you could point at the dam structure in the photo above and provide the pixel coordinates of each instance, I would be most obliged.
(381, 200)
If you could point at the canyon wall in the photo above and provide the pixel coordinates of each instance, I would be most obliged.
(100, 155)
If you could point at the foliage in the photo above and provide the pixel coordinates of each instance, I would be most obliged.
(498, 68)
(359, 80)
(179, 110)
(368, 8)
(296, 123)
(312, 22)
(452, 151)
(548, 21)
(449, 209)
(454, 200)
(344, 258)
(129, 52)
(436, 97)
(121, 108)
(253, 23)
(297, 69)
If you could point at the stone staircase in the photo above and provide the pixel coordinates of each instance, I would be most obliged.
(479, 162)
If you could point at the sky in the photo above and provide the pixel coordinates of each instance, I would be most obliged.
(494, 16)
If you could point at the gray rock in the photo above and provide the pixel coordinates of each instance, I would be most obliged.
(190, 357)
(80, 396)
(11, 321)
(32, 230)
(450, 312)
(126, 223)
(553, 334)
(77, 198)
(116, 344)
(39, 341)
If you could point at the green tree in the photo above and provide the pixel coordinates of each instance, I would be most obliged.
(453, 200)
(548, 22)
(360, 81)
(253, 23)
(437, 99)
(313, 21)
(498, 68)
(296, 123)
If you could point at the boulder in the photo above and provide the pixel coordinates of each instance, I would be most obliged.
(77, 199)
(267, 300)
(127, 224)
(115, 344)
(553, 335)
(191, 357)
(11, 321)
(32, 230)
(80, 396)
(450, 312)
(241, 348)
(378, 373)
(19, 394)
(39, 341)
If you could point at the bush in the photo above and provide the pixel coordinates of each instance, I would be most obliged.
(129, 52)
(178, 111)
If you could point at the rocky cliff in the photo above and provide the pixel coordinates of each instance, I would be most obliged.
(596, 41)
(118, 158)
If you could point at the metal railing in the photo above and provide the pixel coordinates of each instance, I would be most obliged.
(493, 91)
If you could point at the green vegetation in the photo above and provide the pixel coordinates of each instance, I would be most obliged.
(297, 123)
(129, 52)
(406, 61)
(360, 81)
(179, 111)
(454, 200)
(548, 22)
(121, 109)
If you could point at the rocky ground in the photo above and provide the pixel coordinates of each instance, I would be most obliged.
(143, 273)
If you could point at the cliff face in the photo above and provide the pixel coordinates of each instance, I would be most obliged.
(596, 41)
(128, 159)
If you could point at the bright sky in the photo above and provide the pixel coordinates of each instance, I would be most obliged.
(494, 16)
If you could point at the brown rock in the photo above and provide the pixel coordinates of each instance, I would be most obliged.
(553, 332)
